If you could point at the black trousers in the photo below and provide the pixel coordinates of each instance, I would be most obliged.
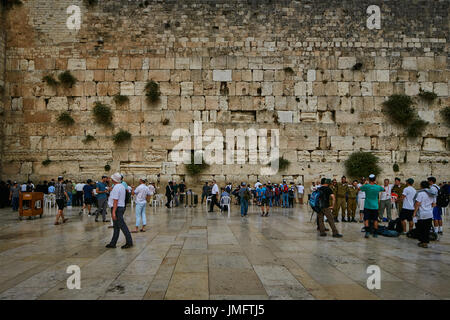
(79, 198)
(119, 224)
(169, 198)
(423, 230)
(214, 202)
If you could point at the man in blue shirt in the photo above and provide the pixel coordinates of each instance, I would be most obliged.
(102, 198)
(264, 200)
(88, 192)
(372, 192)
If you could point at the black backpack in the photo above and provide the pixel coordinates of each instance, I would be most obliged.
(395, 225)
(442, 198)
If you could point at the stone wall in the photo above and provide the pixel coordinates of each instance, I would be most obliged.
(224, 63)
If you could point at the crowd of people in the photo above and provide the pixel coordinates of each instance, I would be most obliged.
(421, 208)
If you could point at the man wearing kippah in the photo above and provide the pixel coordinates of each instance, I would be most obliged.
(408, 205)
(372, 191)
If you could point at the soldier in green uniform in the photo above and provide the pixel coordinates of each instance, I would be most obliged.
(341, 204)
(398, 190)
(351, 202)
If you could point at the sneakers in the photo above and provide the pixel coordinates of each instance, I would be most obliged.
(367, 235)
(375, 234)
(337, 235)
(336, 220)
(110, 246)
(440, 232)
(423, 245)
(126, 246)
(344, 220)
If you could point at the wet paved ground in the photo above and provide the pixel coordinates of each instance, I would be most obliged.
(192, 254)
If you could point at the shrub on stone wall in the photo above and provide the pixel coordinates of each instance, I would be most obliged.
(416, 128)
(121, 137)
(65, 118)
(46, 162)
(395, 167)
(90, 3)
(289, 70)
(195, 169)
(120, 100)
(50, 80)
(152, 91)
(88, 139)
(362, 164)
(357, 66)
(107, 167)
(427, 95)
(398, 108)
(67, 79)
(283, 163)
(102, 113)
(8, 4)
(445, 113)
(165, 122)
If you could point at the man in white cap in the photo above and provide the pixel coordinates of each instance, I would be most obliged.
(372, 191)
(142, 193)
(116, 202)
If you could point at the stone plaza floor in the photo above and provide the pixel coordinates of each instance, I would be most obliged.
(191, 254)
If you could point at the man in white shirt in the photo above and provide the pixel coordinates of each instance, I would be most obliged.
(361, 199)
(23, 187)
(142, 193)
(408, 205)
(258, 184)
(423, 210)
(437, 210)
(116, 202)
(301, 191)
(214, 194)
(79, 195)
(385, 201)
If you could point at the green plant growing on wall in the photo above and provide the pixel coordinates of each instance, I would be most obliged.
(195, 169)
(289, 70)
(102, 113)
(8, 4)
(361, 164)
(357, 66)
(90, 3)
(65, 118)
(121, 137)
(415, 128)
(395, 167)
(107, 167)
(50, 80)
(445, 113)
(427, 95)
(88, 138)
(165, 122)
(152, 91)
(398, 109)
(120, 100)
(46, 162)
(67, 79)
(283, 163)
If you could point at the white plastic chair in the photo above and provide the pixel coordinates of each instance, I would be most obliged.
(226, 201)
(208, 200)
(50, 203)
(155, 200)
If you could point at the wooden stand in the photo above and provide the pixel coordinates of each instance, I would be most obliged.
(35, 205)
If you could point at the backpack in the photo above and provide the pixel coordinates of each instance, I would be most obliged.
(291, 193)
(442, 198)
(285, 188)
(247, 194)
(277, 191)
(395, 225)
(382, 230)
(269, 193)
(315, 201)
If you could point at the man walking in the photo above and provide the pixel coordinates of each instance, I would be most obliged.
(214, 195)
(205, 191)
(88, 193)
(61, 196)
(372, 191)
(102, 198)
(169, 194)
(116, 202)
(327, 200)
(142, 193)
(266, 193)
(79, 189)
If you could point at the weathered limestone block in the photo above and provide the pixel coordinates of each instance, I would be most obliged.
(57, 103)
(341, 143)
(433, 144)
(76, 64)
(346, 62)
(308, 116)
(285, 116)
